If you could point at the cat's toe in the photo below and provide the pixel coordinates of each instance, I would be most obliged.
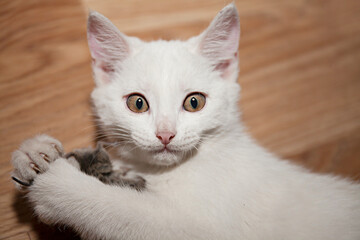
(34, 157)
(54, 146)
(131, 179)
(24, 172)
(134, 181)
(138, 183)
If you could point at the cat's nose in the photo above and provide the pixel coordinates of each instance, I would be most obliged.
(165, 137)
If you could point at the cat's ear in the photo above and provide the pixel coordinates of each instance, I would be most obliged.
(220, 41)
(108, 47)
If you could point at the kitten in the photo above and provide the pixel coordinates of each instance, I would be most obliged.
(96, 162)
(171, 108)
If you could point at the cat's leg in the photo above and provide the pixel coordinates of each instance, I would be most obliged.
(61, 194)
(64, 195)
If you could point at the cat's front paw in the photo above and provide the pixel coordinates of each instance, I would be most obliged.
(34, 157)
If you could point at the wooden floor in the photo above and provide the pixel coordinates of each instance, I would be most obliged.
(300, 77)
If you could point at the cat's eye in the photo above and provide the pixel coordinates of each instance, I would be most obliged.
(137, 103)
(194, 102)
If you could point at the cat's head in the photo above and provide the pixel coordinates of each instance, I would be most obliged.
(161, 100)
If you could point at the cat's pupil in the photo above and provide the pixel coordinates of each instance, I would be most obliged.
(194, 102)
(139, 103)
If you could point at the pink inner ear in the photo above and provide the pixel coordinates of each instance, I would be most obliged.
(223, 65)
(108, 47)
(102, 66)
(220, 41)
(95, 49)
(107, 69)
(233, 39)
(97, 54)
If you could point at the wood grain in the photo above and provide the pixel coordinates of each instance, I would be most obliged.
(300, 79)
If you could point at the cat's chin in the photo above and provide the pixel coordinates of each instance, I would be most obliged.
(164, 157)
(154, 156)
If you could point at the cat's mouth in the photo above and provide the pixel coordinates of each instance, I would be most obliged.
(165, 149)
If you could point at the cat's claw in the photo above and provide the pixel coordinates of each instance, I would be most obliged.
(34, 157)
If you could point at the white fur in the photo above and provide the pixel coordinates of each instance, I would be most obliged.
(219, 184)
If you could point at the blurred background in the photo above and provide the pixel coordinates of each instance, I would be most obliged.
(300, 78)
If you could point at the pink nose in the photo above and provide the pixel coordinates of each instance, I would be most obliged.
(165, 137)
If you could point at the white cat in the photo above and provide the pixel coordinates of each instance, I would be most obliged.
(171, 107)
